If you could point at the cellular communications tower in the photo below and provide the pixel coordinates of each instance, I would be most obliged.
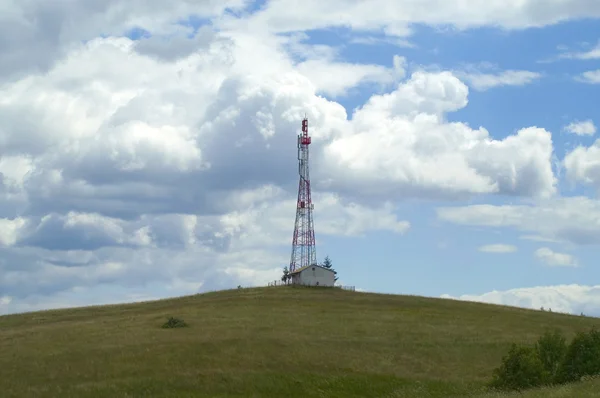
(303, 243)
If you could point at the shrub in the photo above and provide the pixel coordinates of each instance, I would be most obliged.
(551, 348)
(521, 368)
(582, 357)
(174, 323)
(550, 361)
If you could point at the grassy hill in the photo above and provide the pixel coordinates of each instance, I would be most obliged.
(271, 342)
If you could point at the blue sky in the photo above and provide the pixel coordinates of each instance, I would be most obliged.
(158, 157)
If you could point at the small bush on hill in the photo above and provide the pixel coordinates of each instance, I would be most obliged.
(582, 357)
(521, 368)
(174, 323)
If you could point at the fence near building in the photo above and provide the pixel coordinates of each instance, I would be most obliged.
(281, 283)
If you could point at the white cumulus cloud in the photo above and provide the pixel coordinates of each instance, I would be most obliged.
(590, 77)
(498, 248)
(574, 220)
(484, 81)
(572, 299)
(552, 258)
(396, 18)
(593, 53)
(585, 127)
(402, 137)
(582, 165)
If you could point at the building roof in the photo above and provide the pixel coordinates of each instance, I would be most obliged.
(308, 266)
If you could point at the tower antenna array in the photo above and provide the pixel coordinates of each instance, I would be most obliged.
(303, 243)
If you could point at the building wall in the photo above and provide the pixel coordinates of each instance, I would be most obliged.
(296, 279)
(314, 276)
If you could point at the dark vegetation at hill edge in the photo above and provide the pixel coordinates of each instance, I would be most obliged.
(272, 342)
(550, 361)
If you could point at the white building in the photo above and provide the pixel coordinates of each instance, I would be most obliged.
(313, 275)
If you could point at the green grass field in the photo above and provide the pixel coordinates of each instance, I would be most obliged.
(272, 342)
(584, 390)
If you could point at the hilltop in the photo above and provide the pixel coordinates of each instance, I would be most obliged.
(270, 342)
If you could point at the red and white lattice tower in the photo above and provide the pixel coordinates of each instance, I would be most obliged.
(303, 243)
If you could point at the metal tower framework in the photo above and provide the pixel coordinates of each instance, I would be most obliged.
(303, 244)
